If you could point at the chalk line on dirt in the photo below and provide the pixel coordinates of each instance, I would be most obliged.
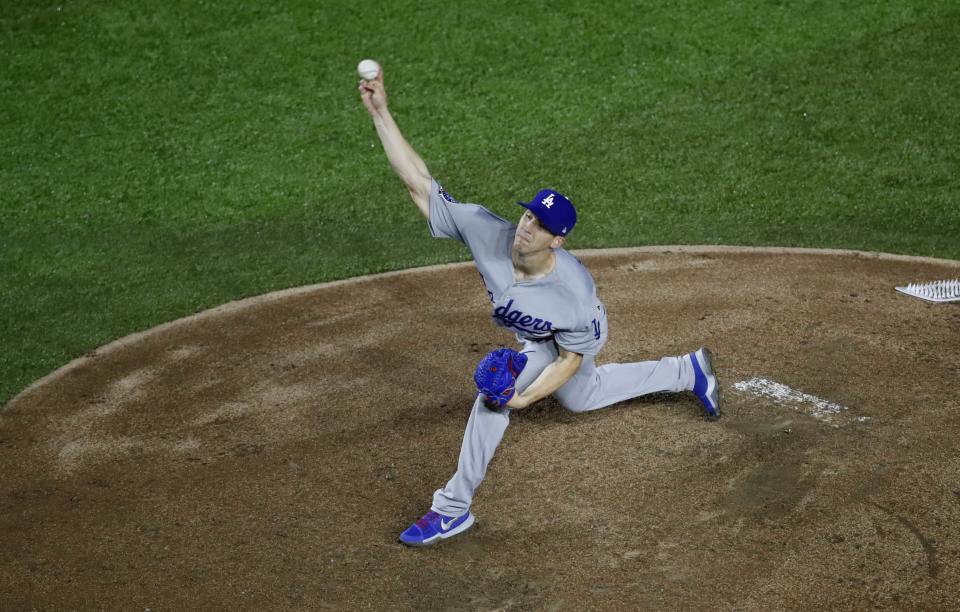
(780, 393)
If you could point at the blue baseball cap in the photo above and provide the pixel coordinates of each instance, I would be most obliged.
(555, 212)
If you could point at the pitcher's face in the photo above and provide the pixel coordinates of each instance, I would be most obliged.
(532, 237)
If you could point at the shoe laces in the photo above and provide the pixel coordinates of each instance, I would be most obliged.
(427, 519)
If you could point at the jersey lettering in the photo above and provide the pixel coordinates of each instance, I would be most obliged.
(517, 319)
(485, 285)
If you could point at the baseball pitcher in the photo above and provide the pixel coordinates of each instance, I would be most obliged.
(545, 297)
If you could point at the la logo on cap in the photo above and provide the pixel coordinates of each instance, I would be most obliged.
(547, 201)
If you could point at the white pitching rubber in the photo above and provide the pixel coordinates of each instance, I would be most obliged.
(937, 291)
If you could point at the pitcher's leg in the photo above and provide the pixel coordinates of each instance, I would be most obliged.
(485, 429)
(594, 387)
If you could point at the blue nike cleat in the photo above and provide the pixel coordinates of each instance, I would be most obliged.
(433, 527)
(706, 386)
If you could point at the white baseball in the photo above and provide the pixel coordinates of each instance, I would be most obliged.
(368, 69)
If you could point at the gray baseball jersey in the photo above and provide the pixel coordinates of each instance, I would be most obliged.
(562, 305)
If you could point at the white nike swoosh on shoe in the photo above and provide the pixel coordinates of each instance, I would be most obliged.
(445, 525)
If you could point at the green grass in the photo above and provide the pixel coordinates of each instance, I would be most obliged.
(161, 158)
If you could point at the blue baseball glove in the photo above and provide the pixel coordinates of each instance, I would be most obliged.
(497, 373)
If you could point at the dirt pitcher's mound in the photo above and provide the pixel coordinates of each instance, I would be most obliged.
(265, 455)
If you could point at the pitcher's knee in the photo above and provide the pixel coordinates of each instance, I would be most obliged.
(573, 404)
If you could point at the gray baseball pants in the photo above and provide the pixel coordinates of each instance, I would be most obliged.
(590, 388)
